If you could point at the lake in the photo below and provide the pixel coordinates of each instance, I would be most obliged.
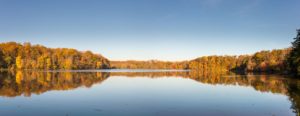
(146, 92)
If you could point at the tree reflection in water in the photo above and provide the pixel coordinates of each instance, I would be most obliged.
(25, 83)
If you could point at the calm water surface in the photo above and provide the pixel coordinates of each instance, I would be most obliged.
(146, 92)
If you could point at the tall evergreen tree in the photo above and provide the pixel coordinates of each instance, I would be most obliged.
(294, 58)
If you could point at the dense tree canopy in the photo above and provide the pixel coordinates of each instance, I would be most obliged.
(294, 58)
(26, 56)
(263, 61)
(152, 64)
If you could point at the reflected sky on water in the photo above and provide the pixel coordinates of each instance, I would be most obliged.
(146, 93)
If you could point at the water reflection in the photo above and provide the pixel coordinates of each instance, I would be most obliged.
(26, 83)
(31, 82)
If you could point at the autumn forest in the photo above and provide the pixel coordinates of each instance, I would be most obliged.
(16, 56)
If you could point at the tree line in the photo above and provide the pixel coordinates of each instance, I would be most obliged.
(152, 64)
(26, 56)
(272, 61)
(263, 61)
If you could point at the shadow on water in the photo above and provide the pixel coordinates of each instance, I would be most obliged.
(13, 84)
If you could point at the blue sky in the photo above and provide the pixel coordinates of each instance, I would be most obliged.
(152, 29)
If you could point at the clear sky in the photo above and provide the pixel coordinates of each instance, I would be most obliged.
(152, 29)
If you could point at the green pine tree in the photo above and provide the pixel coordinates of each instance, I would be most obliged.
(294, 58)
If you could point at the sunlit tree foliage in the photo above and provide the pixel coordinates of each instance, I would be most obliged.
(26, 56)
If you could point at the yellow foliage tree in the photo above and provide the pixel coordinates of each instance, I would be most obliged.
(48, 63)
(98, 65)
(68, 63)
(19, 62)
